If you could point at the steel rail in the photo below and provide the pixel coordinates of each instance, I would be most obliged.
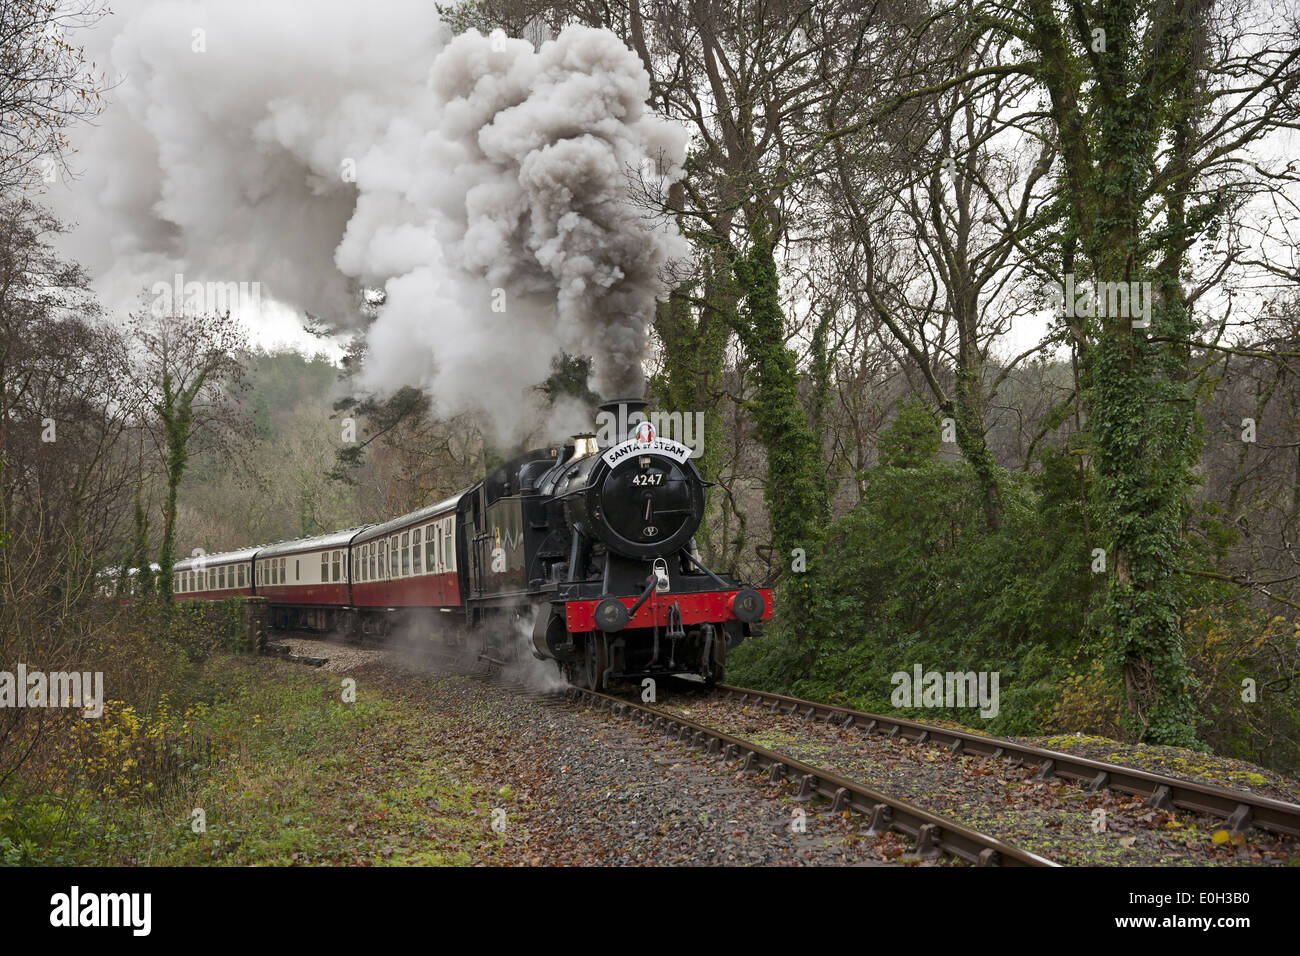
(1241, 809)
(934, 835)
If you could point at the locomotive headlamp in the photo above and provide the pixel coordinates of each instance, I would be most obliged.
(661, 575)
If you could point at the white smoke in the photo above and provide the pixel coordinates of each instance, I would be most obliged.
(491, 193)
(538, 676)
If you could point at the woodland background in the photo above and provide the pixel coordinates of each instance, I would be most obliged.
(881, 198)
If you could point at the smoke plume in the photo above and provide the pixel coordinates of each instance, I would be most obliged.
(318, 148)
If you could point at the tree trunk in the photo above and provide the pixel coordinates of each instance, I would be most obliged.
(794, 489)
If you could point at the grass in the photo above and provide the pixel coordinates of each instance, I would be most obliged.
(296, 776)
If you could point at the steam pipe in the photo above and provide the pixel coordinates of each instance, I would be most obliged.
(645, 596)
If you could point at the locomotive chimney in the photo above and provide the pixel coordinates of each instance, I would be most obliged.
(615, 419)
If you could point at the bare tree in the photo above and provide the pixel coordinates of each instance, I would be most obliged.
(189, 371)
(46, 85)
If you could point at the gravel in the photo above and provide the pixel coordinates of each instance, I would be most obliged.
(1054, 818)
(581, 787)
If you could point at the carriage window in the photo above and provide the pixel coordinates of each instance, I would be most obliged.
(449, 546)
(297, 569)
(221, 577)
(415, 551)
(392, 556)
(241, 575)
(324, 566)
(336, 562)
(406, 553)
(282, 567)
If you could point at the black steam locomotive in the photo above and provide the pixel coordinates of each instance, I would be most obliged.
(598, 544)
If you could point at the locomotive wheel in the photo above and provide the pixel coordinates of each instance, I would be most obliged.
(719, 674)
(595, 660)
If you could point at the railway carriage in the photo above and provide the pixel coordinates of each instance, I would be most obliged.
(307, 582)
(407, 566)
(213, 577)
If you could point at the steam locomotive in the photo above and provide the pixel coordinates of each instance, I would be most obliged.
(585, 552)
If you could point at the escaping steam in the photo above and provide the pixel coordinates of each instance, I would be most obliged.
(539, 676)
(322, 148)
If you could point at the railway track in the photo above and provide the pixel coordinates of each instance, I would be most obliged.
(934, 836)
(1240, 809)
